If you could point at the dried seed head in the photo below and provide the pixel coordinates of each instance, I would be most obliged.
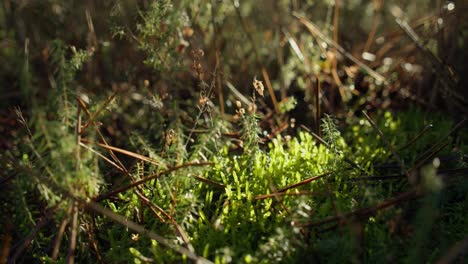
(202, 101)
(197, 66)
(258, 85)
(252, 108)
(135, 237)
(239, 113)
(170, 137)
(187, 32)
(200, 53)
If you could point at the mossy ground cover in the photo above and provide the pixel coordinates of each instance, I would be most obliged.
(315, 157)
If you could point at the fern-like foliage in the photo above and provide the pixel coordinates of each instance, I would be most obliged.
(66, 61)
(53, 148)
(160, 34)
(332, 137)
(210, 142)
(250, 132)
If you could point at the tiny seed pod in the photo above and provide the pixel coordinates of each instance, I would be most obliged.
(170, 137)
(187, 32)
(258, 85)
(293, 122)
(135, 237)
(252, 108)
(202, 101)
(200, 53)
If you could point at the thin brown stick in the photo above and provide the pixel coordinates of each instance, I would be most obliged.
(306, 181)
(73, 235)
(219, 83)
(399, 176)
(270, 90)
(431, 155)
(375, 22)
(335, 24)
(368, 211)
(120, 166)
(152, 206)
(211, 182)
(336, 78)
(218, 77)
(92, 241)
(296, 193)
(417, 137)
(275, 132)
(384, 139)
(61, 231)
(149, 178)
(123, 151)
(92, 38)
(102, 156)
(280, 52)
(83, 106)
(182, 235)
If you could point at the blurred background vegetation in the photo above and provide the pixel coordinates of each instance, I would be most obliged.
(247, 36)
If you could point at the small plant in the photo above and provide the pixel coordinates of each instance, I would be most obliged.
(161, 36)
